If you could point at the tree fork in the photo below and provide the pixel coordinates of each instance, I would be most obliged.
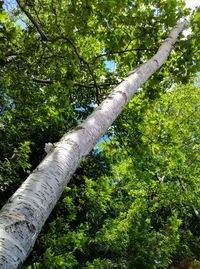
(23, 216)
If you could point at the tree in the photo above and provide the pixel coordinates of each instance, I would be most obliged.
(24, 215)
(133, 212)
(23, 149)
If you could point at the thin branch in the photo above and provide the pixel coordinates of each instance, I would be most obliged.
(82, 85)
(89, 86)
(32, 19)
(95, 83)
(81, 60)
(120, 52)
(42, 81)
(44, 35)
(64, 37)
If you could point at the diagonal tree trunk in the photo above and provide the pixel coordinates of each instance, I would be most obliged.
(23, 216)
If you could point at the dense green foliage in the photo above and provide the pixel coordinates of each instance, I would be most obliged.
(133, 203)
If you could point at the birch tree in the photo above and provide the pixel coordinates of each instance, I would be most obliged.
(130, 203)
(25, 213)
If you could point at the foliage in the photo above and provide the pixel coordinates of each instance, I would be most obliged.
(144, 213)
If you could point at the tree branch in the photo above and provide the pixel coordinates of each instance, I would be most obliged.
(32, 19)
(44, 36)
(54, 39)
(120, 52)
(42, 81)
(89, 86)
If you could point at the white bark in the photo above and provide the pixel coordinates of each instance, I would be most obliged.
(23, 216)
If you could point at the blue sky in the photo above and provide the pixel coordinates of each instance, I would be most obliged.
(110, 65)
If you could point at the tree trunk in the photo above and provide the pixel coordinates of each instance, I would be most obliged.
(23, 216)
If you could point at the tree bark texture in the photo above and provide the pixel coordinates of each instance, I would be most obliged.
(25, 213)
